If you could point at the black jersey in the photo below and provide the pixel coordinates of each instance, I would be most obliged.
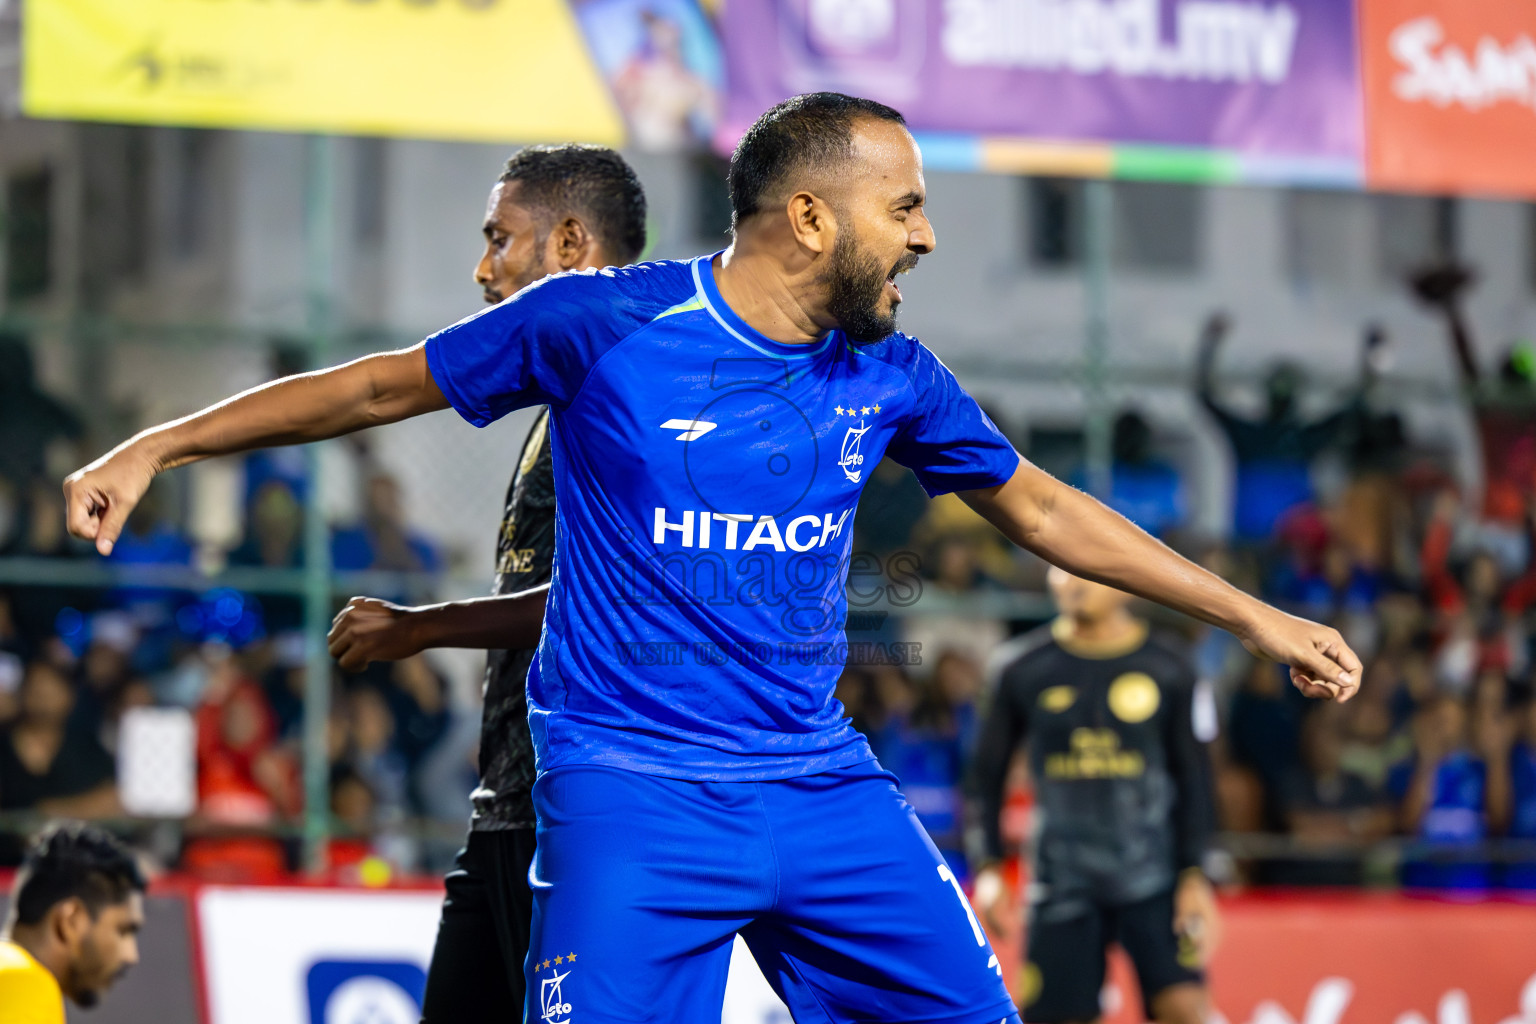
(1122, 784)
(525, 553)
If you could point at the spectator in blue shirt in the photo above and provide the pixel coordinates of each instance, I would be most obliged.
(1522, 777)
(152, 538)
(929, 751)
(1274, 454)
(1442, 792)
(1143, 488)
(382, 540)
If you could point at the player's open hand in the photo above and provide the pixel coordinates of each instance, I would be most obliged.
(990, 896)
(1321, 663)
(98, 498)
(1196, 921)
(1441, 284)
(1215, 329)
(369, 630)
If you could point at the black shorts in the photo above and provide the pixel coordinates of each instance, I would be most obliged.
(482, 937)
(1066, 959)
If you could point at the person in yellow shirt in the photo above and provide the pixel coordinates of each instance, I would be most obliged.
(73, 929)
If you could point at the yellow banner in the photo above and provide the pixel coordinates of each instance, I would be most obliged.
(484, 70)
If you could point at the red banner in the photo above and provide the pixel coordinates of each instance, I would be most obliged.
(1289, 958)
(1450, 95)
(1353, 959)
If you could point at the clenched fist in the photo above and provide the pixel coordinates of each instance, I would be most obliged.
(98, 498)
(1321, 663)
(369, 630)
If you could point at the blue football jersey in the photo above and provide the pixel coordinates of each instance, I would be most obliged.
(705, 484)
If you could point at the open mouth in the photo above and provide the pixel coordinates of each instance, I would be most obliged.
(903, 266)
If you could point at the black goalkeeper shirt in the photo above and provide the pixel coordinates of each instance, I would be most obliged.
(525, 554)
(1122, 784)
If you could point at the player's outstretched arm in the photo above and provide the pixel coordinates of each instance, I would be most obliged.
(369, 629)
(307, 407)
(1071, 529)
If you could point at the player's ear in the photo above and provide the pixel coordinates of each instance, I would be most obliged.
(71, 921)
(571, 246)
(811, 221)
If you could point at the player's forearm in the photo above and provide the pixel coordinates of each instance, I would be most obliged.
(101, 802)
(1498, 797)
(1194, 816)
(984, 821)
(1211, 335)
(1075, 531)
(1420, 794)
(985, 784)
(1205, 379)
(1461, 343)
(1194, 823)
(308, 407)
(505, 622)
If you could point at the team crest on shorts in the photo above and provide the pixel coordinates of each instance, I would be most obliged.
(553, 1008)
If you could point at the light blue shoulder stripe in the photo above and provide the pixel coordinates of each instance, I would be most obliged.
(682, 307)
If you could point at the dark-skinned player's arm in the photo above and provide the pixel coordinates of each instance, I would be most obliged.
(1196, 918)
(369, 629)
(1068, 528)
(1003, 731)
(315, 406)
(1212, 334)
(1444, 287)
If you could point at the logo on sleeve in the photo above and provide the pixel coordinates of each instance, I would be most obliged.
(1057, 699)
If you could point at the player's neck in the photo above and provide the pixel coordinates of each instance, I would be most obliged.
(1114, 634)
(775, 302)
(33, 939)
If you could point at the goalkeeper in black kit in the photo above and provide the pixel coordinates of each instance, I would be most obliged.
(1116, 729)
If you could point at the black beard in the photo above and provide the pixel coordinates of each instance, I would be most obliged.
(855, 285)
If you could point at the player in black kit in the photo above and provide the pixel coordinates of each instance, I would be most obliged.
(1116, 730)
(555, 208)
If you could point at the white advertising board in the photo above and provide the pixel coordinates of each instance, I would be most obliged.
(329, 956)
(322, 956)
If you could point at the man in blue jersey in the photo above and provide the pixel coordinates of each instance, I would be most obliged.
(554, 208)
(713, 423)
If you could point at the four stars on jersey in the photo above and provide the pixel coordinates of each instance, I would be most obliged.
(559, 960)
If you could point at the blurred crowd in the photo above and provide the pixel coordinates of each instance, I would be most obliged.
(74, 661)
(1435, 588)
(1435, 591)
(399, 753)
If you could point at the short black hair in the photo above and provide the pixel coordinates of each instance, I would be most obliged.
(594, 183)
(810, 131)
(73, 860)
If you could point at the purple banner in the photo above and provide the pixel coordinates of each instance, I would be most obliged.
(1277, 79)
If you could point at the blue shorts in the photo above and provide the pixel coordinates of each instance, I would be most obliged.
(640, 884)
